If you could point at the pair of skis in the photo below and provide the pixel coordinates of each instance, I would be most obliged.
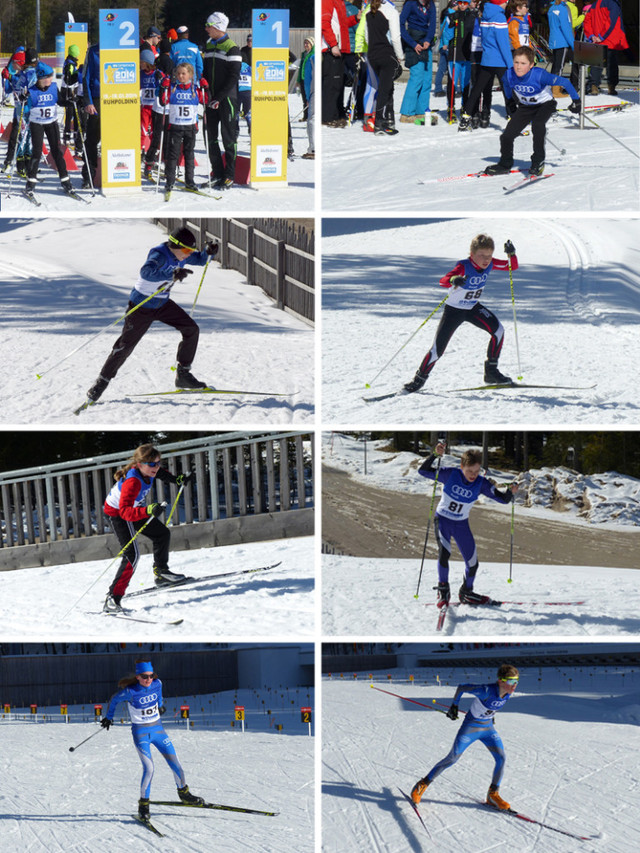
(146, 822)
(512, 386)
(207, 390)
(442, 612)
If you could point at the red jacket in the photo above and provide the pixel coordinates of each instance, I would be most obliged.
(335, 25)
(604, 20)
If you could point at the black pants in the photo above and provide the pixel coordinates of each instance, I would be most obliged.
(478, 316)
(384, 64)
(332, 86)
(52, 132)
(482, 88)
(13, 136)
(159, 125)
(91, 147)
(180, 139)
(224, 121)
(125, 531)
(137, 324)
(537, 116)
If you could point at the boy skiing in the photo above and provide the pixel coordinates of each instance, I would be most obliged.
(478, 725)
(467, 280)
(529, 101)
(162, 269)
(461, 489)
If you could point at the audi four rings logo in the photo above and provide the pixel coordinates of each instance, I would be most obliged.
(462, 492)
(146, 700)
(476, 279)
(526, 90)
(183, 96)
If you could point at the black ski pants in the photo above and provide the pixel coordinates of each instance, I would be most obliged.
(38, 132)
(332, 87)
(180, 139)
(537, 115)
(91, 142)
(384, 64)
(137, 324)
(451, 319)
(482, 88)
(125, 531)
(226, 122)
(159, 125)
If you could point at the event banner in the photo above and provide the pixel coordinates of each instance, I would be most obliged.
(120, 100)
(269, 97)
(75, 34)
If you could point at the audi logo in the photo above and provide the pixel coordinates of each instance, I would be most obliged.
(183, 96)
(526, 90)
(475, 280)
(462, 492)
(146, 700)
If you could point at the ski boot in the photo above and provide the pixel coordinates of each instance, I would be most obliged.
(536, 169)
(223, 184)
(112, 604)
(143, 808)
(416, 383)
(475, 121)
(148, 171)
(165, 577)
(492, 375)
(444, 594)
(485, 119)
(66, 186)
(494, 799)
(384, 128)
(97, 389)
(418, 790)
(187, 797)
(467, 596)
(464, 123)
(498, 168)
(185, 379)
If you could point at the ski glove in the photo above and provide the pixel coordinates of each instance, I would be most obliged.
(452, 713)
(156, 509)
(184, 479)
(575, 106)
(162, 709)
(180, 274)
(106, 723)
(509, 248)
(212, 248)
(458, 280)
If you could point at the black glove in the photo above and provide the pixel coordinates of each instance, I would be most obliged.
(212, 248)
(452, 713)
(511, 106)
(162, 710)
(398, 70)
(106, 723)
(156, 509)
(509, 248)
(458, 280)
(575, 106)
(180, 274)
(185, 478)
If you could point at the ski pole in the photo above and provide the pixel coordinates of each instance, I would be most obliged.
(204, 272)
(440, 304)
(415, 701)
(106, 328)
(15, 153)
(84, 150)
(515, 321)
(452, 73)
(426, 538)
(615, 139)
(205, 133)
(513, 514)
(73, 748)
(175, 503)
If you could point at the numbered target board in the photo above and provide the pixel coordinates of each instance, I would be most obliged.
(120, 100)
(270, 96)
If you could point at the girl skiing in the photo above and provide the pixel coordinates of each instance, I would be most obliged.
(163, 268)
(478, 725)
(142, 692)
(468, 279)
(461, 489)
(128, 512)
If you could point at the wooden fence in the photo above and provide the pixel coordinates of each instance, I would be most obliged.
(236, 474)
(277, 255)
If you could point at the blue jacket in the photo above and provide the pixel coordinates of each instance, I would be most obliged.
(496, 47)
(184, 50)
(560, 29)
(535, 87)
(91, 76)
(415, 16)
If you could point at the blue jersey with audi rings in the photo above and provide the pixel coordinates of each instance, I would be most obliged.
(486, 701)
(158, 270)
(43, 104)
(535, 87)
(183, 105)
(458, 494)
(144, 703)
(467, 295)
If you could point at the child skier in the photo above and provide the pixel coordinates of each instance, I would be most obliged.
(520, 24)
(127, 510)
(478, 725)
(461, 489)
(162, 269)
(148, 83)
(182, 99)
(43, 121)
(143, 694)
(529, 101)
(10, 76)
(467, 280)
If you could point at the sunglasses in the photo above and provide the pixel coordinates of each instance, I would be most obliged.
(146, 675)
(510, 680)
(152, 464)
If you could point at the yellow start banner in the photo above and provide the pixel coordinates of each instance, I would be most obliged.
(120, 100)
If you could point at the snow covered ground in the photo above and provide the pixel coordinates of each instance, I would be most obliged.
(297, 196)
(82, 801)
(597, 172)
(65, 280)
(570, 737)
(283, 597)
(577, 298)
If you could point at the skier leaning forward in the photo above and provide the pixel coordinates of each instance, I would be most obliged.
(143, 694)
(478, 725)
(162, 269)
(461, 488)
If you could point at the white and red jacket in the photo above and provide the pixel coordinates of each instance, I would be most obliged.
(335, 26)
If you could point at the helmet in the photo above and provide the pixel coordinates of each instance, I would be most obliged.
(43, 70)
(74, 51)
(183, 238)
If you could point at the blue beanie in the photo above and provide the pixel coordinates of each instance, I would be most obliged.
(43, 70)
(144, 666)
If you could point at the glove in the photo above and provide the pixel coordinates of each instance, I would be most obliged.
(458, 280)
(180, 274)
(165, 85)
(156, 509)
(509, 248)
(511, 106)
(214, 105)
(398, 70)
(106, 723)
(162, 710)
(212, 248)
(5, 73)
(452, 713)
(203, 83)
(576, 106)
(185, 478)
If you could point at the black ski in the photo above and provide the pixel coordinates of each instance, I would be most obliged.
(148, 825)
(209, 390)
(206, 578)
(216, 806)
(492, 603)
(514, 813)
(84, 406)
(512, 386)
(73, 194)
(28, 194)
(383, 397)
